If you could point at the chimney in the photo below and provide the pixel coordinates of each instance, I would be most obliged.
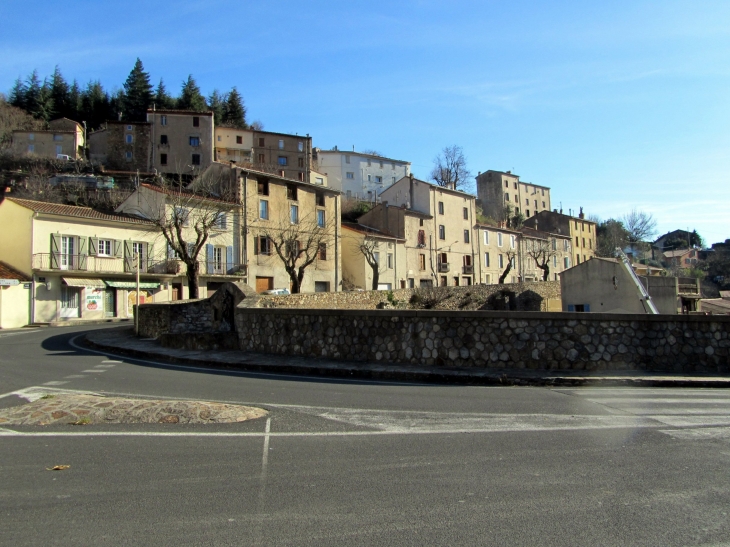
(410, 193)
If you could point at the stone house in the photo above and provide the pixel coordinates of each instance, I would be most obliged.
(63, 137)
(360, 175)
(389, 253)
(181, 141)
(605, 285)
(122, 146)
(582, 232)
(497, 189)
(542, 248)
(496, 246)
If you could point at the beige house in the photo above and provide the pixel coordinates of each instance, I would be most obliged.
(182, 141)
(288, 156)
(497, 189)
(81, 263)
(537, 248)
(14, 297)
(63, 137)
(122, 146)
(389, 253)
(582, 232)
(496, 246)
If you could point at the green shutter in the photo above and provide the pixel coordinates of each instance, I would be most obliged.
(55, 249)
(128, 257)
(117, 248)
(93, 246)
(82, 253)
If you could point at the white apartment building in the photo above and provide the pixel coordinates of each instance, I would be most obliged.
(359, 175)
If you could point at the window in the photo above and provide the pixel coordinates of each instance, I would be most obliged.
(322, 251)
(576, 241)
(350, 175)
(300, 146)
(129, 128)
(300, 162)
(506, 197)
(319, 180)
(221, 221)
(466, 213)
(57, 137)
(381, 164)
(555, 261)
(369, 178)
(421, 238)
(390, 261)
(196, 121)
(527, 213)
(486, 260)
(379, 179)
(163, 139)
(239, 139)
(376, 257)
(31, 148)
(281, 144)
(263, 209)
(263, 188)
(527, 201)
(194, 141)
(512, 242)
(261, 141)
(515, 186)
(369, 162)
(291, 192)
(196, 159)
(466, 236)
(442, 231)
(441, 207)
(262, 158)
(501, 261)
(163, 120)
(444, 281)
(565, 244)
(282, 160)
(516, 199)
(393, 180)
(392, 166)
(128, 138)
(543, 204)
(422, 262)
(535, 203)
(420, 222)
(104, 247)
(181, 215)
(566, 262)
(163, 159)
(319, 199)
(294, 214)
(128, 155)
(499, 240)
(584, 241)
(543, 191)
(347, 159)
(486, 237)
(320, 218)
(554, 244)
(506, 184)
(582, 227)
(263, 245)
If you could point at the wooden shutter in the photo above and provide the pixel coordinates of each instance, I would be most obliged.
(82, 253)
(128, 257)
(55, 249)
(148, 250)
(229, 259)
(93, 246)
(256, 245)
(117, 248)
(209, 258)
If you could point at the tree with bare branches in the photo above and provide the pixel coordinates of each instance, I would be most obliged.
(510, 264)
(641, 227)
(298, 242)
(368, 247)
(542, 252)
(450, 170)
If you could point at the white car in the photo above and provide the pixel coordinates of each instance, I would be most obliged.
(277, 291)
(64, 157)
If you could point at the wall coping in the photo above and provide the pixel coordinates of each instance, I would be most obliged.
(499, 314)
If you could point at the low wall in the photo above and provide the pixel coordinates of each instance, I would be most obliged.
(542, 296)
(565, 341)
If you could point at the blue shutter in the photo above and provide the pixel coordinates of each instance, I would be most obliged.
(209, 258)
(229, 259)
(571, 307)
(587, 307)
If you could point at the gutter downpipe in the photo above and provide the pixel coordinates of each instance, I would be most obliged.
(337, 242)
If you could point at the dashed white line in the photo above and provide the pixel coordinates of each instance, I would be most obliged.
(94, 370)
(55, 383)
(73, 376)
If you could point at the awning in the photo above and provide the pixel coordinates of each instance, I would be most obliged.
(81, 282)
(132, 284)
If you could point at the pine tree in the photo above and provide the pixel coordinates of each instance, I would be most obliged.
(44, 104)
(217, 103)
(74, 102)
(17, 94)
(137, 93)
(234, 114)
(95, 105)
(59, 94)
(190, 97)
(163, 100)
(32, 94)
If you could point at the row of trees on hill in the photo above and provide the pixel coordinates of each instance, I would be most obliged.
(53, 97)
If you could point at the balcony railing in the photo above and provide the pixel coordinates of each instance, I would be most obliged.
(443, 267)
(104, 264)
(468, 270)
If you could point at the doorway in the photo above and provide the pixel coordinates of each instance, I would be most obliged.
(70, 299)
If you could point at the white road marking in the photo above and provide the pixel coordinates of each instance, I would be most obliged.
(55, 383)
(75, 376)
(265, 459)
(111, 361)
(34, 393)
(105, 366)
(94, 370)
(699, 434)
(660, 400)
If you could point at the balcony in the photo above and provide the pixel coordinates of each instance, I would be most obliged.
(468, 270)
(117, 265)
(443, 267)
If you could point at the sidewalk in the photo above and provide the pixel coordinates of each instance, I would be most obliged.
(123, 342)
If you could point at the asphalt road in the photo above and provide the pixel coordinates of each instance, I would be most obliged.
(359, 463)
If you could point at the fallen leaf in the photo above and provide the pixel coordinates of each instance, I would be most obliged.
(57, 468)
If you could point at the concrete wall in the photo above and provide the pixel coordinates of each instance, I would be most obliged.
(14, 306)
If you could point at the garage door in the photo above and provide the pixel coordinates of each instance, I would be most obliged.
(264, 284)
(321, 286)
(384, 286)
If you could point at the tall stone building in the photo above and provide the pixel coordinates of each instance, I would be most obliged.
(497, 190)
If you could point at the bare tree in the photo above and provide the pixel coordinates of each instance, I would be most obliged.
(186, 219)
(510, 264)
(542, 252)
(298, 242)
(37, 186)
(449, 168)
(368, 247)
(640, 225)
(372, 152)
(609, 235)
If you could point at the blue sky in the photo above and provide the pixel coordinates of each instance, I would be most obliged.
(614, 105)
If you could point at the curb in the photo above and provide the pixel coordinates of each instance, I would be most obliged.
(395, 374)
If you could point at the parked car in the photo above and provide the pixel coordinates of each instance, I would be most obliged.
(277, 291)
(64, 157)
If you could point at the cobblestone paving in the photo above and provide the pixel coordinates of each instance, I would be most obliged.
(93, 409)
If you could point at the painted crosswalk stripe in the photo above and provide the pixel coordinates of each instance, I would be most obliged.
(55, 383)
(94, 370)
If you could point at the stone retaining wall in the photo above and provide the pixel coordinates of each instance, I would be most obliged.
(564, 341)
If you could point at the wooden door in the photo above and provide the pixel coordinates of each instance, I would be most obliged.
(264, 284)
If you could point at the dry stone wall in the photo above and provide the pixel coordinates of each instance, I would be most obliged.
(554, 341)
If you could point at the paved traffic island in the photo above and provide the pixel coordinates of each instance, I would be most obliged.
(94, 409)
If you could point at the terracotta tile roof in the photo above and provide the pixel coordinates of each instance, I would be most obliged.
(369, 231)
(171, 192)
(8, 272)
(73, 211)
